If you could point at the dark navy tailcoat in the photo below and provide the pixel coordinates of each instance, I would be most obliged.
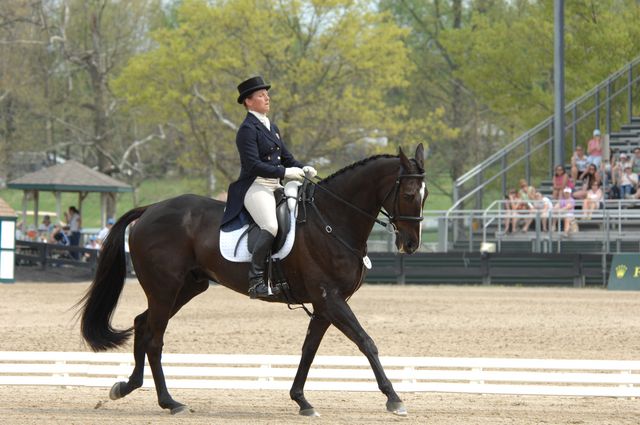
(262, 154)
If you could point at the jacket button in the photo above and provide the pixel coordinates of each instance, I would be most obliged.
(277, 148)
(269, 158)
(278, 157)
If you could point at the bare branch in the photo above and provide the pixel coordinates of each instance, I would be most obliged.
(215, 108)
(138, 143)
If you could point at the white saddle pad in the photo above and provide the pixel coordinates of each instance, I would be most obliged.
(229, 240)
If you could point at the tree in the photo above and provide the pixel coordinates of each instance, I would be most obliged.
(59, 56)
(507, 58)
(332, 65)
(466, 136)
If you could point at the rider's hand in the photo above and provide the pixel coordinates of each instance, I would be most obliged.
(294, 173)
(309, 171)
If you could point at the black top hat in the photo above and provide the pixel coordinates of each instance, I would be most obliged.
(247, 87)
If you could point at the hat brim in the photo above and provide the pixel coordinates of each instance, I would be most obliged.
(248, 92)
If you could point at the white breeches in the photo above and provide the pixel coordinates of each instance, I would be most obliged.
(261, 203)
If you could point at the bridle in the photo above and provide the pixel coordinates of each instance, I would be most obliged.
(392, 217)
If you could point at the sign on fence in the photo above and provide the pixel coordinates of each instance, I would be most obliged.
(625, 272)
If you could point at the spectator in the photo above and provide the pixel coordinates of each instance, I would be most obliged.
(628, 183)
(74, 221)
(508, 211)
(92, 243)
(59, 236)
(528, 198)
(593, 199)
(579, 163)
(45, 228)
(564, 208)
(585, 181)
(560, 182)
(515, 205)
(594, 149)
(617, 170)
(544, 205)
(102, 234)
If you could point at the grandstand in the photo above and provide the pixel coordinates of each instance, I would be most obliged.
(468, 244)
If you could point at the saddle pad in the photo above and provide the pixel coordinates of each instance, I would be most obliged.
(228, 241)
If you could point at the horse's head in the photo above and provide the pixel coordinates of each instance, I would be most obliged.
(405, 205)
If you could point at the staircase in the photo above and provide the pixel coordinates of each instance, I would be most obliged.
(627, 139)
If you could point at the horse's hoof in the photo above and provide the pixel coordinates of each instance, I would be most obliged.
(114, 393)
(179, 410)
(397, 408)
(309, 412)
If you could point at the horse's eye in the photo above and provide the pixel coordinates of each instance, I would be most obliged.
(409, 196)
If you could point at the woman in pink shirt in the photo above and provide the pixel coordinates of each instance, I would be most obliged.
(594, 149)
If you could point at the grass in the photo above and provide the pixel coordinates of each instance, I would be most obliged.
(150, 191)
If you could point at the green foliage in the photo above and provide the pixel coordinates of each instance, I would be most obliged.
(331, 63)
(506, 57)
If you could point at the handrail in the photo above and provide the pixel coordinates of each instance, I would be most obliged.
(604, 103)
(568, 108)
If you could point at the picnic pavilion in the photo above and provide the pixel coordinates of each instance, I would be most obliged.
(71, 176)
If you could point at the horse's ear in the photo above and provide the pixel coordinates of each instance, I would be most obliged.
(420, 156)
(404, 160)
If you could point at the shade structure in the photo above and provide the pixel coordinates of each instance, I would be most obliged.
(70, 176)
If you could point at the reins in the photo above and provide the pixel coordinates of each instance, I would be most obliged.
(390, 217)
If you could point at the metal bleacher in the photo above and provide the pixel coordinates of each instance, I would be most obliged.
(467, 243)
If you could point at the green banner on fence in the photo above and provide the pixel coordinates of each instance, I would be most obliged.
(625, 272)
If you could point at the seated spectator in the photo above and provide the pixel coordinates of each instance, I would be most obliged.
(628, 183)
(560, 182)
(594, 149)
(593, 199)
(564, 208)
(45, 228)
(92, 243)
(585, 180)
(543, 205)
(528, 197)
(515, 205)
(579, 163)
(102, 234)
(59, 236)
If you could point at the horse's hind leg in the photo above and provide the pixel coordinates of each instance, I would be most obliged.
(340, 315)
(317, 328)
(121, 389)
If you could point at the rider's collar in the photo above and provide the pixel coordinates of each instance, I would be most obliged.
(262, 118)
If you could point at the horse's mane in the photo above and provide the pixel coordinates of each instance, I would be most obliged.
(355, 165)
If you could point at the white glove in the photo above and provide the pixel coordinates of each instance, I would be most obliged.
(294, 173)
(309, 171)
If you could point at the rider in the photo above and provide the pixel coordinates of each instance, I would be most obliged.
(264, 161)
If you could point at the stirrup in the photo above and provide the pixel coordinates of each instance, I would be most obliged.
(260, 289)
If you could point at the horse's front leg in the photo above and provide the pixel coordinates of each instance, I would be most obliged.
(340, 315)
(316, 330)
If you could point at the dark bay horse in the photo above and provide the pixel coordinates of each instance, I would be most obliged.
(175, 252)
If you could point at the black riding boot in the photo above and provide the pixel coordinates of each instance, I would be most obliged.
(257, 284)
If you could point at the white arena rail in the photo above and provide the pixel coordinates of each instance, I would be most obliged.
(607, 378)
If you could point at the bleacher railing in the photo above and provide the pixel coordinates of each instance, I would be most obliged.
(614, 222)
(607, 106)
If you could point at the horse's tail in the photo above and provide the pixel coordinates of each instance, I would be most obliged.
(102, 296)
